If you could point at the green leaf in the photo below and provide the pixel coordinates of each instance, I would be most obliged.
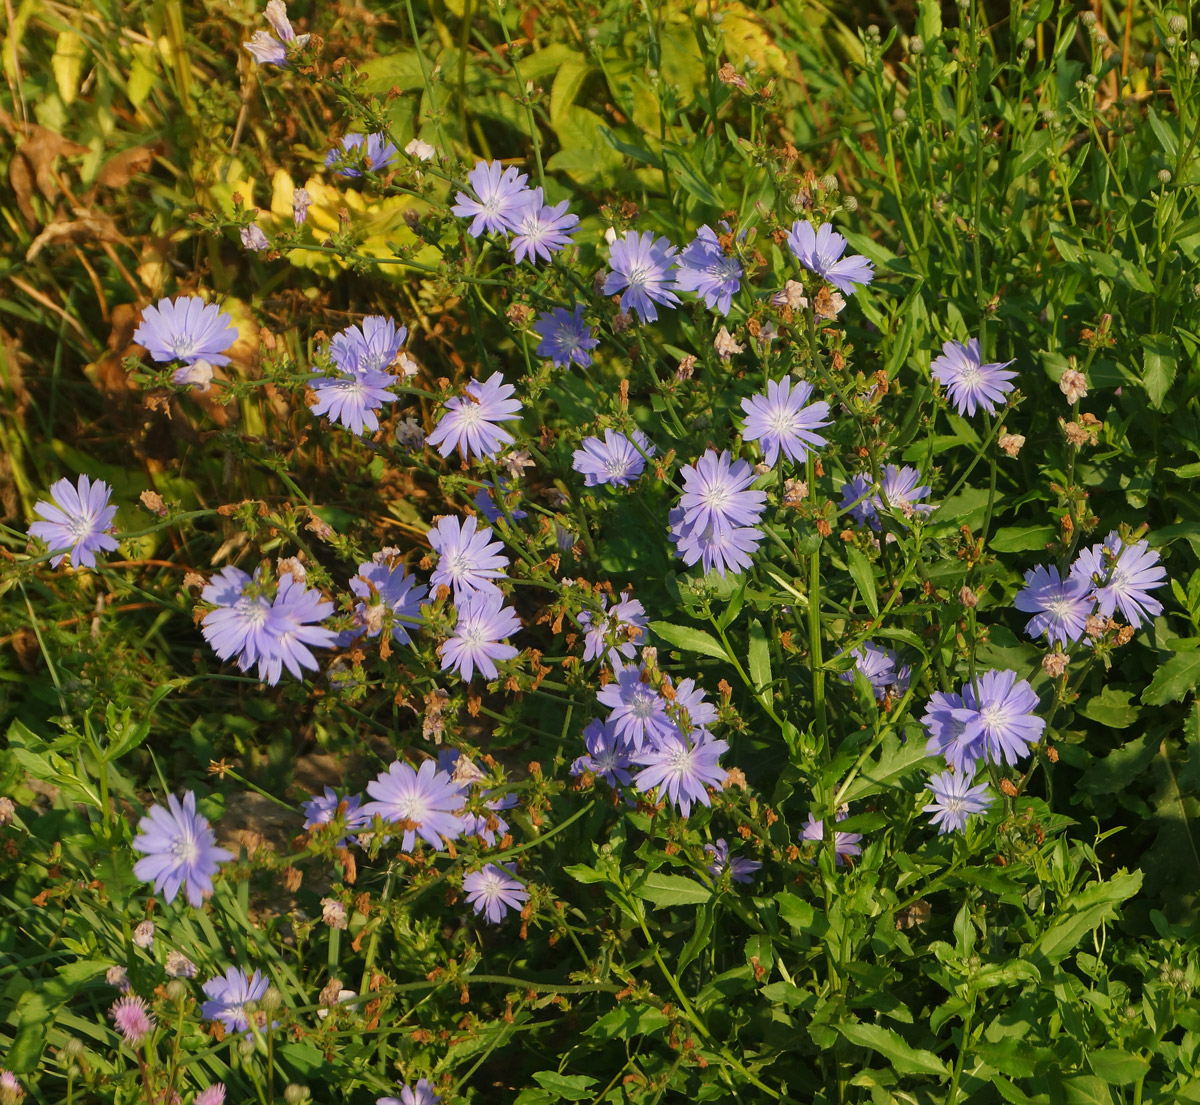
(581, 872)
(688, 639)
(1022, 538)
(896, 760)
(795, 911)
(81, 970)
(1111, 708)
(1092, 908)
(864, 578)
(1173, 680)
(905, 1058)
(1117, 1067)
(759, 656)
(663, 891)
(1159, 364)
(569, 1087)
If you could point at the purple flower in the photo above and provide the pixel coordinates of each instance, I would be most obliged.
(706, 269)
(301, 202)
(267, 50)
(899, 487)
(715, 493)
(468, 558)
(212, 1095)
(844, 844)
(616, 460)
(1122, 575)
(229, 994)
(641, 271)
(351, 399)
(291, 630)
(992, 719)
(370, 347)
(607, 754)
(740, 870)
(1060, 606)
(186, 329)
(716, 516)
(420, 1094)
(945, 721)
(10, 1089)
(179, 850)
(132, 1018)
(722, 549)
(425, 800)
(494, 891)
(386, 588)
(485, 503)
(639, 712)
(500, 196)
(76, 519)
(565, 337)
(483, 622)
(877, 664)
(679, 767)
(783, 419)
(488, 826)
(624, 624)
(540, 230)
(273, 634)
(469, 423)
(361, 151)
(323, 809)
(821, 250)
(970, 382)
(253, 238)
(954, 800)
(689, 708)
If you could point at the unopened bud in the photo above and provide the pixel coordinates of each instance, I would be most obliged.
(1177, 24)
(916, 45)
(296, 1094)
(271, 1000)
(1164, 176)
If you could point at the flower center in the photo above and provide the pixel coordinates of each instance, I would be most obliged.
(643, 705)
(182, 345)
(638, 275)
(782, 422)
(992, 716)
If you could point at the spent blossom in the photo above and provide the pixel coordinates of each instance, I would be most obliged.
(1073, 384)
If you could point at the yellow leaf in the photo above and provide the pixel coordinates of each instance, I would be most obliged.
(67, 63)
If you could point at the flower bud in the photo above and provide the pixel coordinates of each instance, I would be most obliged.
(296, 1094)
(916, 45)
(271, 1000)
(1164, 176)
(1177, 24)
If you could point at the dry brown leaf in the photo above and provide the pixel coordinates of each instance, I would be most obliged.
(121, 168)
(33, 163)
(87, 226)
